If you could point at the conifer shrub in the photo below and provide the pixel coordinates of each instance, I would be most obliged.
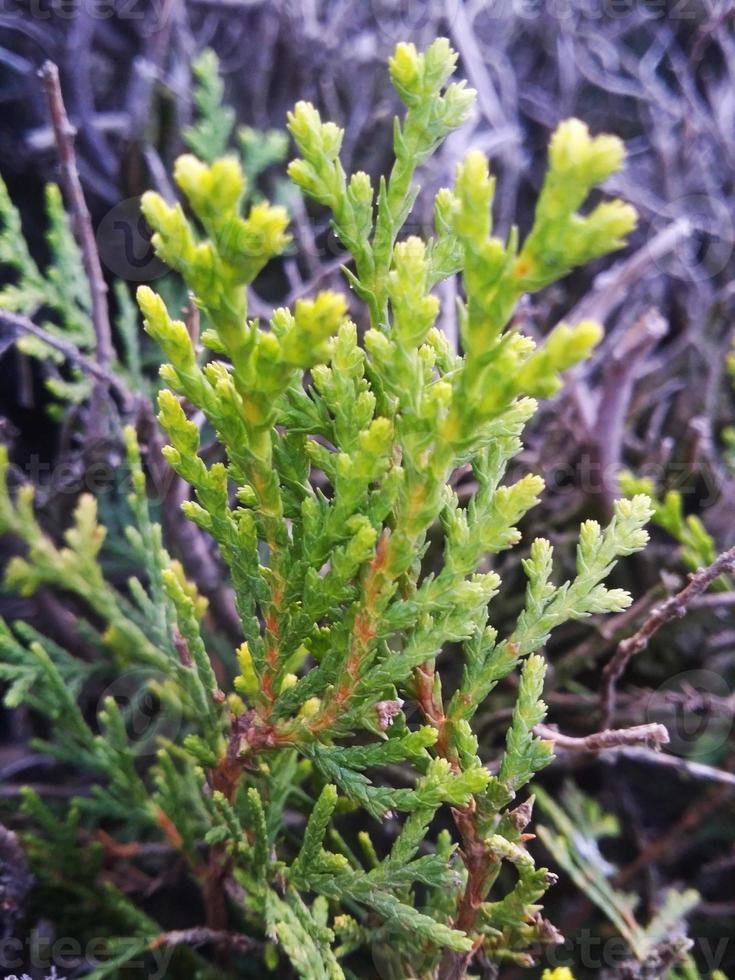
(350, 701)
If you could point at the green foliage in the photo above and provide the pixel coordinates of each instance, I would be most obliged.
(337, 462)
(579, 826)
(60, 293)
(58, 297)
(58, 300)
(210, 135)
(698, 548)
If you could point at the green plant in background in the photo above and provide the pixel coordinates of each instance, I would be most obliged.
(338, 461)
(60, 293)
(698, 547)
(210, 135)
(579, 827)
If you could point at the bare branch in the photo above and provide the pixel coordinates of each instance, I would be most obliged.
(201, 935)
(617, 389)
(651, 736)
(64, 134)
(18, 324)
(698, 770)
(671, 608)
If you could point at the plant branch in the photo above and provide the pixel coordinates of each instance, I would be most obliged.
(651, 736)
(64, 134)
(673, 607)
(201, 935)
(620, 372)
(697, 770)
(23, 324)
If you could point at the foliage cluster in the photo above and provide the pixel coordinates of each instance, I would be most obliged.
(361, 668)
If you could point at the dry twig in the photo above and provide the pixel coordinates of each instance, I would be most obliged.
(64, 134)
(652, 735)
(619, 376)
(18, 324)
(673, 607)
(201, 935)
(697, 770)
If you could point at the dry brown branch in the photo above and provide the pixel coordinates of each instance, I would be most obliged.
(673, 607)
(714, 600)
(609, 290)
(697, 770)
(612, 286)
(476, 67)
(652, 735)
(201, 935)
(64, 134)
(18, 324)
(619, 376)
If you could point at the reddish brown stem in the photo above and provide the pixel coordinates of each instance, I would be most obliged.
(432, 709)
(480, 867)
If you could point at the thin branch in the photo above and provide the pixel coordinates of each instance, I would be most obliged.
(22, 324)
(671, 608)
(201, 935)
(698, 770)
(64, 134)
(621, 369)
(609, 290)
(714, 600)
(652, 736)
(476, 67)
(612, 286)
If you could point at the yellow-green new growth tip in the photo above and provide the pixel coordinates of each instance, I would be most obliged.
(573, 151)
(416, 76)
(561, 238)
